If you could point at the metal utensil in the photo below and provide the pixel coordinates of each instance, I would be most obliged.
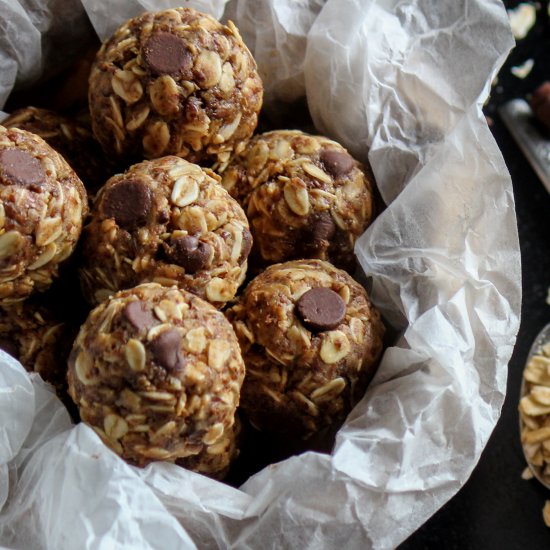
(542, 338)
(520, 121)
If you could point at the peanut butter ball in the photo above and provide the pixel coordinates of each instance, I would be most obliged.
(166, 221)
(311, 341)
(305, 197)
(42, 208)
(175, 82)
(157, 372)
(72, 139)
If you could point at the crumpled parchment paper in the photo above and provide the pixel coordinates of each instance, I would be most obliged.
(401, 81)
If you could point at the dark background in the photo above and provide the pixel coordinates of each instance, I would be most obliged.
(496, 509)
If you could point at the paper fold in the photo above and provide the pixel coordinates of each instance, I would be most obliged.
(402, 84)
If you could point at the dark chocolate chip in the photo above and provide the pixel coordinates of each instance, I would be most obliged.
(163, 216)
(129, 202)
(10, 347)
(166, 53)
(337, 163)
(246, 245)
(321, 227)
(317, 234)
(190, 253)
(139, 315)
(166, 350)
(321, 309)
(21, 168)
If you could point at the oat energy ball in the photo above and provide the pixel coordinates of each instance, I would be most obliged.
(71, 139)
(166, 221)
(42, 207)
(311, 340)
(39, 341)
(157, 372)
(175, 82)
(305, 197)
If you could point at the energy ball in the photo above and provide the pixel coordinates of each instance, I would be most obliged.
(157, 372)
(305, 197)
(42, 208)
(39, 341)
(71, 139)
(166, 221)
(311, 340)
(175, 82)
(215, 460)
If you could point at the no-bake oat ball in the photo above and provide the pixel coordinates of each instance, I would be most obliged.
(166, 221)
(71, 139)
(38, 340)
(305, 197)
(176, 82)
(157, 372)
(311, 341)
(42, 207)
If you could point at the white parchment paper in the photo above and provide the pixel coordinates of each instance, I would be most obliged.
(402, 82)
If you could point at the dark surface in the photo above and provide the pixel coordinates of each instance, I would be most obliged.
(496, 509)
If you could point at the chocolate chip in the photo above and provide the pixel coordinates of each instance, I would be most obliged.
(163, 216)
(246, 245)
(166, 53)
(166, 350)
(321, 309)
(337, 163)
(21, 168)
(321, 227)
(139, 315)
(190, 253)
(129, 202)
(10, 347)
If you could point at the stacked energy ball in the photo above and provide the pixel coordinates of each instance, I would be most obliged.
(183, 198)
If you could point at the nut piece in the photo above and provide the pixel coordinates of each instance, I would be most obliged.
(174, 82)
(115, 427)
(302, 376)
(165, 393)
(305, 197)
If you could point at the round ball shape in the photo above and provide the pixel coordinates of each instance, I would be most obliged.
(305, 197)
(301, 379)
(156, 372)
(175, 82)
(166, 221)
(42, 208)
